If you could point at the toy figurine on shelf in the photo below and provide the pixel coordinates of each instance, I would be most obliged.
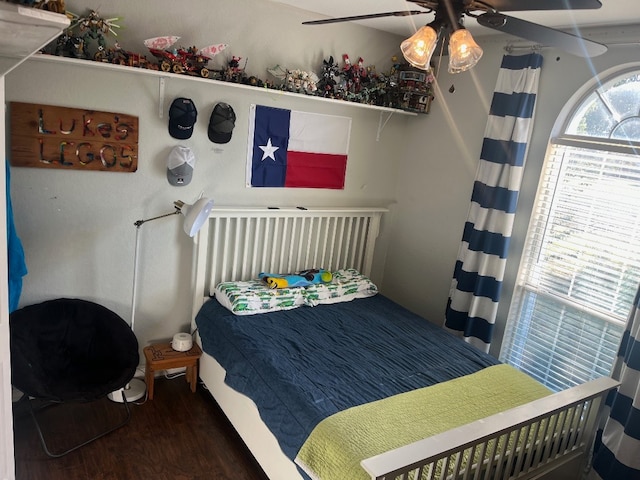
(182, 60)
(300, 81)
(55, 6)
(120, 56)
(94, 28)
(278, 72)
(296, 81)
(253, 81)
(415, 89)
(69, 45)
(355, 75)
(234, 72)
(327, 82)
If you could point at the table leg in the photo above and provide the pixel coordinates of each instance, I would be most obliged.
(149, 375)
(192, 376)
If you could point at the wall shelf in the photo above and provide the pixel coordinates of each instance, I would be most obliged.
(163, 77)
(24, 31)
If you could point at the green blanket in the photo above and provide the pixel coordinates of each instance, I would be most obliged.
(339, 443)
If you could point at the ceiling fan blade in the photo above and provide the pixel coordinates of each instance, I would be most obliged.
(530, 5)
(567, 42)
(402, 13)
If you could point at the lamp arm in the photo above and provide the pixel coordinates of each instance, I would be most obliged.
(139, 223)
(201, 211)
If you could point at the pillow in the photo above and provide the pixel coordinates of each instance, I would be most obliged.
(345, 286)
(253, 296)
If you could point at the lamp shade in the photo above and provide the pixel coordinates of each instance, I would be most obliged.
(464, 52)
(418, 48)
(195, 215)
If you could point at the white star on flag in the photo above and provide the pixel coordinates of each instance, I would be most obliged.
(268, 150)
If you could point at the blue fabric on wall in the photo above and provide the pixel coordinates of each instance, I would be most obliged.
(479, 269)
(616, 450)
(15, 252)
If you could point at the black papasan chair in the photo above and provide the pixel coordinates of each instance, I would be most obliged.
(70, 350)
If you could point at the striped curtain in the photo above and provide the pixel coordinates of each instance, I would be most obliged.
(479, 269)
(617, 450)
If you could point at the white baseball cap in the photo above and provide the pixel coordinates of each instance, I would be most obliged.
(180, 165)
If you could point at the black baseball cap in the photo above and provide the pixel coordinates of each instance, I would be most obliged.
(221, 123)
(182, 118)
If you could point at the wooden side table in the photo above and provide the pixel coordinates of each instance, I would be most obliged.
(162, 357)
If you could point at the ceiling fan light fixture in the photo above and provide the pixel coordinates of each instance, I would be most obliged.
(419, 47)
(464, 52)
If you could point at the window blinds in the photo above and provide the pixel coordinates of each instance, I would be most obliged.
(580, 268)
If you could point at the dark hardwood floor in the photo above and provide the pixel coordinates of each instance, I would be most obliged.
(179, 435)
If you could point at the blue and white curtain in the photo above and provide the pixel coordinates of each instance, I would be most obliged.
(617, 449)
(477, 279)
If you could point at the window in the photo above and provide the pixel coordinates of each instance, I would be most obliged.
(581, 261)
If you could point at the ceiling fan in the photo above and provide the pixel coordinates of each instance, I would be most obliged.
(464, 53)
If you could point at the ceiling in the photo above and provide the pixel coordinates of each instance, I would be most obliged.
(613, 12)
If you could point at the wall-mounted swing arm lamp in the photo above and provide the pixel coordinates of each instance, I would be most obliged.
(194, 217)
(464, 52)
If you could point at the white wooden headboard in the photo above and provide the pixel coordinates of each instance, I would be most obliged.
(237, 243)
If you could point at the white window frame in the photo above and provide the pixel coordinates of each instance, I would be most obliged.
(527, 287)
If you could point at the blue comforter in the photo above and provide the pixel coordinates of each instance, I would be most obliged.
(300, 366)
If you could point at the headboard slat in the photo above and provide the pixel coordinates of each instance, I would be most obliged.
(237, 243)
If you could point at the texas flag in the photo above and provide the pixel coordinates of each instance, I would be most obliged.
(296, 149)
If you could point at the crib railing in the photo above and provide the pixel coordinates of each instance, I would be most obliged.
(524, 442)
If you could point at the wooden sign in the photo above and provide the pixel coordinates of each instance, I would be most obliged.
(46, 136)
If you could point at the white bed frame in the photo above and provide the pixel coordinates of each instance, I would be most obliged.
(239, 242)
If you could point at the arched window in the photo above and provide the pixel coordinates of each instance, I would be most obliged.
(580, 267)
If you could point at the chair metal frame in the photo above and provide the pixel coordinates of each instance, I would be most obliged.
(33, 412)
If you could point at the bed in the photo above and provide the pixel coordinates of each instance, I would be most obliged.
(528, 438)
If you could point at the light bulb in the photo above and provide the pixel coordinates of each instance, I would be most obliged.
(464, 52)
(418, 48)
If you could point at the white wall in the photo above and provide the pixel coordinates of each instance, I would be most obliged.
(436, 178)
(77, 226)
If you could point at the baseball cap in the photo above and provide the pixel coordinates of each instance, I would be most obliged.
(180, 165)
(221, 123)
(182, 118)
